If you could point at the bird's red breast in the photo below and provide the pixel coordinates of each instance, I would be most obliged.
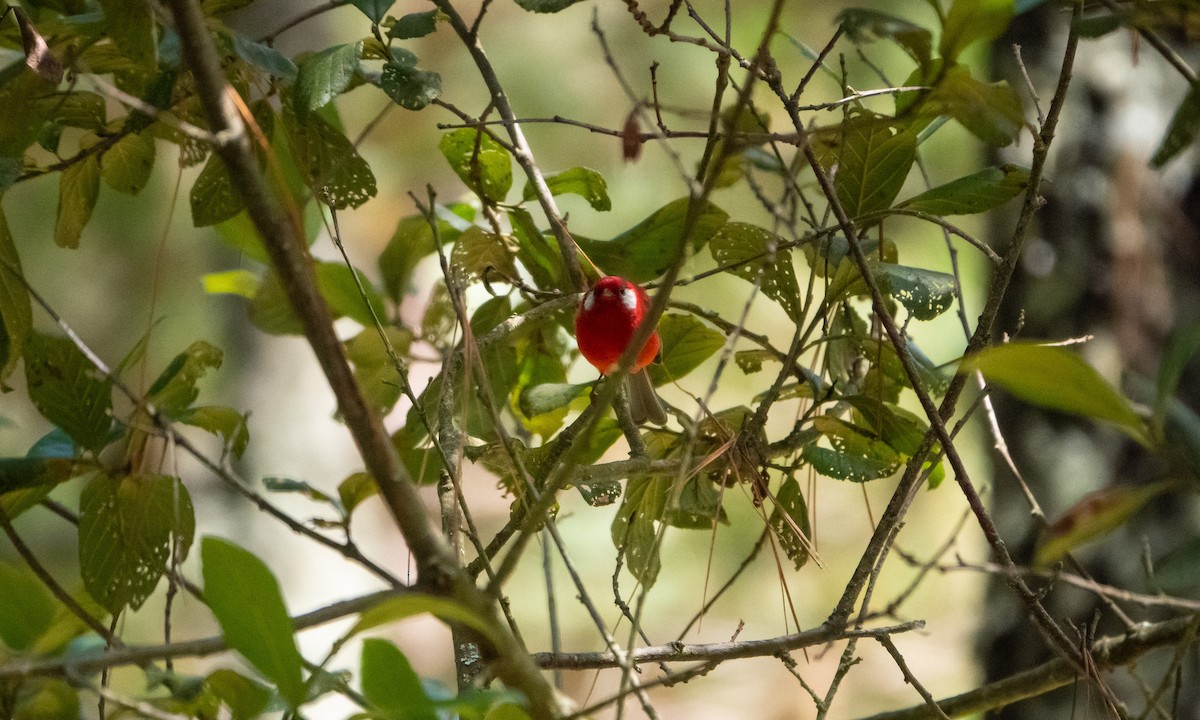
(606, 320)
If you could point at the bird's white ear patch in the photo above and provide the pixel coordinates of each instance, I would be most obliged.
(628, 298)
(589, 300)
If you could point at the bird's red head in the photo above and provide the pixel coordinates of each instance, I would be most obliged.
(606, 321)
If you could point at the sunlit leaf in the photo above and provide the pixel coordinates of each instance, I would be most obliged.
(482, 163)
(128, 528)
(976, 193)
(245, 597)
(746, 250)
(1057, 379)
(584, 182)
(374, 368)
(414, 25)
(355, 489)
(242, 283)
(480, 254)
(390, 683)
(220, 420)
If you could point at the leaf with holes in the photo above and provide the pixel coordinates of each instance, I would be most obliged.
(477, 254)
(745, 250)
(854, 454)
(245, 597)
(789, 522)
(686, 343)
(126, 166)
(873, 164)
(322, 77)
(976, 193)
(329, 163)
(409, 87)
(213, 198)
(924, 293)
(646, 250)
(584, 182)
(68, 391)
(128, 528)
(634, 529)
(482, 163)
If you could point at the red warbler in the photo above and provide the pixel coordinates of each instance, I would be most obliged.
(610, 313)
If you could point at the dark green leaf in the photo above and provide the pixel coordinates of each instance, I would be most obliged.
(686, 343)
(411, 241)
(128, 528)
(1094, 516)
(789, 522)
(16, 313)
(745, 250)
(1057, 379)
(375, 10)
(213, 197)
(68, 391)
(126, 166)
(131, 25)
(546, 6)
(328, 162)
(924, 293)
(847, 466)
(584, 182)
(873, 164)
(32, 472)
(220, 420)
(1175, 573)
(322, 77)
(1098, 25)
(1182, 348)
(175, 389)
(1182, 130)
(482, 163)
(390, 683)
(644, 252)
(972, 20)
(974, 193)
(414, 25)
(409, 87)
(548, 397)
(863, 26)
(27, 610)
(300, 487)
(78, 191)
(263, 57)
(245, 597)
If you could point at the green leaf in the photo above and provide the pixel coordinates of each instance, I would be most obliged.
(1057, 379)
(263, 57)
(635, 527)
(482, 163)
(16, 312)
(375, 10)
(27, 610)
(536, 251)
(175, 389)
(220, 420)
(330, 164)
(322, 77)
(46, 699)
(789, 522)
(213, 197)
(414, 25)
(924, 293)
(411, 241)
(976, 193)
(477, 253)
(686, 343)
(245, 597)
(33, 472)
(855, 454)
(546, 6)
(1182, 347)
(584, 182)
(128, 527)
(646, 250)
(547, 397)
(863, 26)
(338, 287)
(68, 391)
(271, 310)
(1182, 130)
(78, 191)
(873, 164)
(242, 283)
(374, 369)
(1095, 515)
(746, 249)
(355, 489)
(991, 112)
(972, 20)
(411, 604)
(409, 87)
(81, 109)
(131, 25)
(126, 166)
(391, 685)
(245, 698)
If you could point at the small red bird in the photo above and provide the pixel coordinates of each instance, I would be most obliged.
(604, 325)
